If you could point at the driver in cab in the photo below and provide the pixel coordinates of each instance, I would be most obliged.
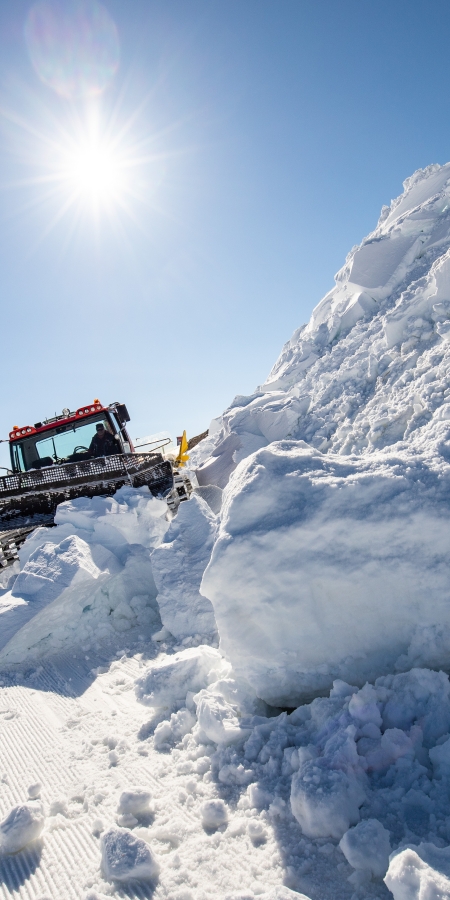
(103, 443)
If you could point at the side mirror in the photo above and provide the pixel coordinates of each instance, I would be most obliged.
(122, 413)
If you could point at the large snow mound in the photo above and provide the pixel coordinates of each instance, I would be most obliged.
(329, 560)
(329, 567)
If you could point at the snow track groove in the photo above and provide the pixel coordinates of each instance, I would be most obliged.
(61, 733)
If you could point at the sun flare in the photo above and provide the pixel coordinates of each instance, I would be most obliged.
(94, 172)
(86, 165)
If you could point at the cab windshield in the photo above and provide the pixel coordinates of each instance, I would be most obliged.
(64, 443)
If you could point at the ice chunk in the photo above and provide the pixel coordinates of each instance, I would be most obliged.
(367, 847)
(173, 729)
(165, 684)
(21, 826)
(214, 813)
(325, 801)
(419, 873)
(256, 832)
(126, 857)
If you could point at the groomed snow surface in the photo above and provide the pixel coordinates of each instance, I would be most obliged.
(251, 700)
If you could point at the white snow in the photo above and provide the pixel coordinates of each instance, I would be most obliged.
(126, 857)
(214, 813)
(367, 847)
(22, 825)
(178, 565)
(330, 558)
(251, 700)
(86, 580)
(167, 682)
(420, 873)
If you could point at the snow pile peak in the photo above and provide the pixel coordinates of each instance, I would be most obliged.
(370, 367)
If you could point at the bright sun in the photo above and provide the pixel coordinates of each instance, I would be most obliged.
(94, 172)
(88, 165)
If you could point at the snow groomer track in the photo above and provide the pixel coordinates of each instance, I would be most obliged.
(62, 746)
(84, 739)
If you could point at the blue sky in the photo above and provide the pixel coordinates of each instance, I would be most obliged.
(269, 133)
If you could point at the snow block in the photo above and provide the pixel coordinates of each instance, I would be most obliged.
(21, 826)
(326, 566)
(419, 872)
(325, 801)
(135, 802)
(367, 847)
(217, 719)
(126, 857)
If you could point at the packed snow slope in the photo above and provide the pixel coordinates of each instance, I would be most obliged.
(331, 558)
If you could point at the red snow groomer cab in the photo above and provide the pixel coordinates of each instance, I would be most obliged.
(57, 460)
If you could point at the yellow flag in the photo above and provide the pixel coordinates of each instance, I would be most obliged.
(182, 457)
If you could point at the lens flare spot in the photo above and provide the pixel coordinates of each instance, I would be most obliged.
(73, 46)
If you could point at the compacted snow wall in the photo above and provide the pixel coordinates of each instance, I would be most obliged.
(330, 559)
(327, 567)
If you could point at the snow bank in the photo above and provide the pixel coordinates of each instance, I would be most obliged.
(325, 566)
(329, 560)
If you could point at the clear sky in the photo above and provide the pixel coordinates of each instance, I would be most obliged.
(242, 147)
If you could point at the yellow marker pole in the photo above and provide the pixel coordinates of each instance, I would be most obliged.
(182, 457)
